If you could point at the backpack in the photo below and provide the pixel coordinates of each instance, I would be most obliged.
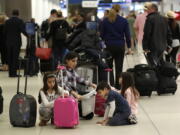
(61, 32)
(44, 28)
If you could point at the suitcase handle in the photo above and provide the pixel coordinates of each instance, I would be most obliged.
(61, 68)
(18, 83)
(108, 70)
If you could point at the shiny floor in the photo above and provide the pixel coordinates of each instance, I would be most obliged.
(158, 115)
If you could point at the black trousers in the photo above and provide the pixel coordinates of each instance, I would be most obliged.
(13, 55)
(3, 52)
(33, 66)
(155, 58)
(117, 53)
(172, 55)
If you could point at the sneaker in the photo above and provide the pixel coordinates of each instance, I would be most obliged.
(132, 119)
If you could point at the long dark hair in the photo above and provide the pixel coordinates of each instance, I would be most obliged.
(172, 23)
(128, 82)
(45, 78)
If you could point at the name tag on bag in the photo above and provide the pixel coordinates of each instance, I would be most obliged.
(175, 43)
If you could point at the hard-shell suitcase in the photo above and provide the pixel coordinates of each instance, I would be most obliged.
(100, 103)
(99, 106)
(87, 106)
(1, 101)
(65, 110)
(22, 110)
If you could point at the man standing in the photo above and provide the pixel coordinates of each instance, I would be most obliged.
(156, 36)
(13, 28)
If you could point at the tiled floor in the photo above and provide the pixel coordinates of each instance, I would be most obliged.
(158, 115)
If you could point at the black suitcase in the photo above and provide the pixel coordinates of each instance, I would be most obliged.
(166, 85)
(1, 101)
(146, 80)
(23, 108)
(46, 65)
(168, 69)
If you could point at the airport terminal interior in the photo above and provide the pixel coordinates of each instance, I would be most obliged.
(157, 114)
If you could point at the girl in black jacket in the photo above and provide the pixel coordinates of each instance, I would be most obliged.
(175, 30)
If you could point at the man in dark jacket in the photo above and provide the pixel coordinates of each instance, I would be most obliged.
(156, 37)
(13, 28)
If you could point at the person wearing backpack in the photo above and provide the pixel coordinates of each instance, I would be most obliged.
(58, 31)
(46, 23)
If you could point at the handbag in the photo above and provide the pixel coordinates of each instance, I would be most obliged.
(43, 53)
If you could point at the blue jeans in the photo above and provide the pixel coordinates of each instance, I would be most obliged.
(58, 55)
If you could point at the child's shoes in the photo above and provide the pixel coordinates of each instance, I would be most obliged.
(43, 123)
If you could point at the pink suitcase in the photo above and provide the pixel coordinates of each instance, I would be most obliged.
(66, 112)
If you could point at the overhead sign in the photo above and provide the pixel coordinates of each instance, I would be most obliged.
(90, 4)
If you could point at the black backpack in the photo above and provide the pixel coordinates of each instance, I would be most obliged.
(44, 28)
(61, 32)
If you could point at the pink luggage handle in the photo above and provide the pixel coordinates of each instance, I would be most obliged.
(108, 69)
(61, 68)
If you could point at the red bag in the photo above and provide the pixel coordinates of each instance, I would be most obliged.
(43, 53)
(100, 106)
(178, 58)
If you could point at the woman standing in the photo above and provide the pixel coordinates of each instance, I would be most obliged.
(58, 31)
(115, 31)
(3, 49)
(175, 30)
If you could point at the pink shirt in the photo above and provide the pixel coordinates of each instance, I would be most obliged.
(139, 26)
(131, 100)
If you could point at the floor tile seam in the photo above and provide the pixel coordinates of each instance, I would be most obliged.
(153, 124)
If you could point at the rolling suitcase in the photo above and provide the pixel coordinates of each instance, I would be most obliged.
(166, 85)
(22, 110)
(146, 80)
(100, 103)
(66, 111)
(46, 65)
(87, 106)
(1, 101)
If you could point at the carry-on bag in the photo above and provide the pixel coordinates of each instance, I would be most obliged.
(1, 101)
(22, 110)
(65, 110)
(166, 85)
(100, 103)
(146, 79)
(43, 52)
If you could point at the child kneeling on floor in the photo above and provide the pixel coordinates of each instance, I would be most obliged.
(49, 93)
(117, 110)
(130, 93)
